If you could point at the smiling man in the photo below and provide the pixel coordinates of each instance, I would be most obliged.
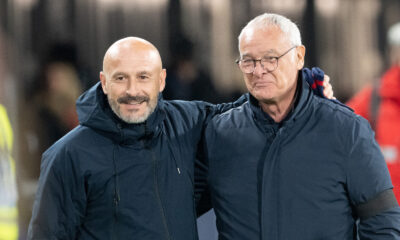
(132, 101)
(126, 172)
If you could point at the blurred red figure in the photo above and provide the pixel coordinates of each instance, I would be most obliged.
(380, 105)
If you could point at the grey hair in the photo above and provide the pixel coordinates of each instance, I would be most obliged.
(270, 19)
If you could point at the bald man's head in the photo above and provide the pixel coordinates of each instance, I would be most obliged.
(131, 45)
(132, 78)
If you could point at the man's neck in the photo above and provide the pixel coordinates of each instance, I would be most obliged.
(279, 109)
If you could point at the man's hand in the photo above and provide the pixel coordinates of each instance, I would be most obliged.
(319, 82)
(328, 90)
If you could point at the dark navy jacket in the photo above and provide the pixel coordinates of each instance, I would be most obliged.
(298, 179)
(110, 180)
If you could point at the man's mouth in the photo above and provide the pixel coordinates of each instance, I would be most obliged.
(135, 103)
(262, 83)
(133, 100)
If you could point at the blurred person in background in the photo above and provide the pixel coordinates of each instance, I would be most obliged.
(55, 91)
(186, 80)
(380, 105)
(8, 188)
(51, 115)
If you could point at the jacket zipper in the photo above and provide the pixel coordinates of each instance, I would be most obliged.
(116, 197)
(276, 134)
(173, 156)
(195, 233)
(156, 190)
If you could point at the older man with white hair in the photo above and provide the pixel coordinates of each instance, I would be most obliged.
(288, 165)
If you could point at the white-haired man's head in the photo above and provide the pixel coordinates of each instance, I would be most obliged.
(270, 19)
(271, 55)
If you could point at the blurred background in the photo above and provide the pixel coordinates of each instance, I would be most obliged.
(51, 51)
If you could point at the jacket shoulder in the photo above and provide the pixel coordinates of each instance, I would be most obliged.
(335, 107)
(183, 107)
(78, 138)
(189, 113)
(233, 118)
(342, 118)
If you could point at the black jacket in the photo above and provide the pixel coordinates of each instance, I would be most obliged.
(110, 180)
(304, 178)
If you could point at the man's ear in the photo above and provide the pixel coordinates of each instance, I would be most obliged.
(103, 82)
(163, 75)
(300, 54)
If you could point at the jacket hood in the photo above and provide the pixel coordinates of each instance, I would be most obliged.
(95, 112)
(390, 85)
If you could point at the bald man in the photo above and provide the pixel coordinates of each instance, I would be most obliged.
(126, 172)
(132, 77)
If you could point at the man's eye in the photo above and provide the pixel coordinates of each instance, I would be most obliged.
(268, 59)
(247, 62)
(143, 77)
(120, 78)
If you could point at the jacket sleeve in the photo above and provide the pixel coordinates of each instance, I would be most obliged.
(385, 225)
(368, 180)
(223, 107)
(202, 191)
(59, 203)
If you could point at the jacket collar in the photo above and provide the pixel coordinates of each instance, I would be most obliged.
(95, 112)
(302, 97)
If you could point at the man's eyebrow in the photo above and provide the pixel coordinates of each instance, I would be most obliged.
(119, 74)
(245, 56)
(143, 73)
(270, 51)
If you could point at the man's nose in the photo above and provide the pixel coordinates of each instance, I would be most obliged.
(258, 68)
(132, 87)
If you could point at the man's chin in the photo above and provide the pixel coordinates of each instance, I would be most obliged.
(136, 118)
(261, 94)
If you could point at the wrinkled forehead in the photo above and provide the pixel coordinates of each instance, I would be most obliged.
(267, 39)
(133, 55)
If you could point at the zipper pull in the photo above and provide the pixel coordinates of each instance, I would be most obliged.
(116, 198)
(179, 171)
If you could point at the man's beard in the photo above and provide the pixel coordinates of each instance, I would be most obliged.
(132, 118)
